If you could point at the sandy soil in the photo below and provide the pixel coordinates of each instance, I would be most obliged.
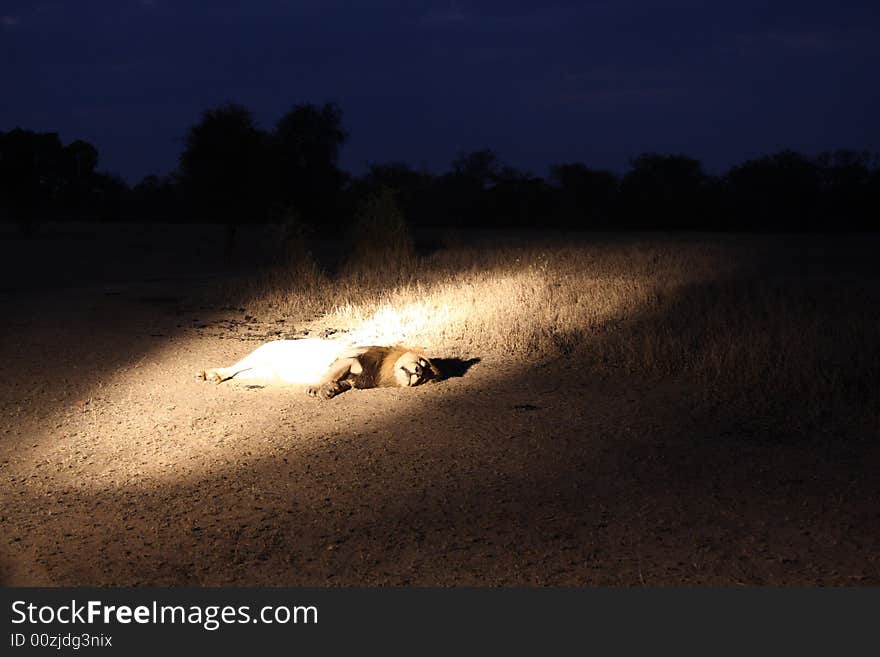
(118, 467)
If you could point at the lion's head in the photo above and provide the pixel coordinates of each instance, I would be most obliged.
(411, 369)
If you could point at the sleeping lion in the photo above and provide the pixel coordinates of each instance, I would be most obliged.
(328, 367)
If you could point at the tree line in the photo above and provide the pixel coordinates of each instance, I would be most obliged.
(233, 172)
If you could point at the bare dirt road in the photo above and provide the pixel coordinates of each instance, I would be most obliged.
(117, 467)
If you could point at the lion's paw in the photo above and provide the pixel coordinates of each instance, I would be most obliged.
(209, 375)
(330, 390)
(327, 391)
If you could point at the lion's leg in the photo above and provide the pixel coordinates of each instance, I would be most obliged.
(336, 380)
(332, 388)
(219, 374)
(252, 366)
(211, 375)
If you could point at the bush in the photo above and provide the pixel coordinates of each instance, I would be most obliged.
(381, 242)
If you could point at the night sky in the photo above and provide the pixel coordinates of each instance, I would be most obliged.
(540, 83)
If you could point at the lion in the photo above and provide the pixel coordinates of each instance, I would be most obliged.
(329, 367)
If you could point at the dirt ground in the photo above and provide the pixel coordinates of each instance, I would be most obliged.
(118, 467)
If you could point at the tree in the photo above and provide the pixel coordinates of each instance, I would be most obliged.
(78, 179)
(30, 174)
(412, 189)
(222, 167)
(845, 179)
(779, 191)
(382, 239)
(157, 198)
(460, 194)
(305, 145)
(585, 197)
(107, 196)
(41, 178)
(872, 204)
(664, 191)
(517, 198)
(481, 168)
(398, 176)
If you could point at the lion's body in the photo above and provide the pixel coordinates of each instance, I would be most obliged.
(328, 367)
(294, 362)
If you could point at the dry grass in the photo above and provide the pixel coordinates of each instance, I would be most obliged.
(772, 321)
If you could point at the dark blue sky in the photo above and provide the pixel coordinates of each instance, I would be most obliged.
(539, 82)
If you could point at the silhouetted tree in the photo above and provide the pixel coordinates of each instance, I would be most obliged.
(41, 178)
(398, 176)
(306, 144)
(518, 199)
(585, 197)
(413, 190)
(232, 172)
(222, 168)
(79, 183)
(872, 209)
(664, 191)
(479, 167)
(381, 238)
(108, 196)
(30, 174)
(779, 191)
(157, 198)
(460, 193)
(844, 179)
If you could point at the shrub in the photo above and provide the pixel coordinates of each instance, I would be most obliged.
(381, 244)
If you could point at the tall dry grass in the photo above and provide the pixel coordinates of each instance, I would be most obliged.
(768, 320)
